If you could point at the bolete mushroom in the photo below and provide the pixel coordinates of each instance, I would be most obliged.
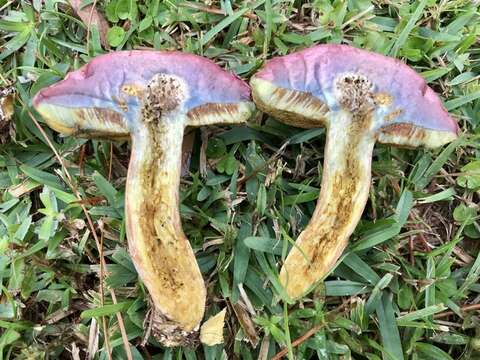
(152, 96)
(360, 97)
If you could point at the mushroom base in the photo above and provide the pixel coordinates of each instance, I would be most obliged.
(169, 333)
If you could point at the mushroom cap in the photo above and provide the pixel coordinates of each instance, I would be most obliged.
(104, 97)
(301, 88)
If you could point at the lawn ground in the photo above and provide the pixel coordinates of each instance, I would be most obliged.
(408, 288)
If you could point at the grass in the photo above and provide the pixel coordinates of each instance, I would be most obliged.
(407, 287)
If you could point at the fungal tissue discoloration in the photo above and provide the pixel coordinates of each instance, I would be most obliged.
(296, 108)
(393, 115)
(200, 115)
(161, 248)
(344, 179)
(343, 194)
(164, 93)
(383, 99)
(152, 95)
(365, 87)
(133, 90)
(403, 130)
(354, 92)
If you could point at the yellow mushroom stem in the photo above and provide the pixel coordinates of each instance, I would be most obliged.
(160, 250)
(344, 192)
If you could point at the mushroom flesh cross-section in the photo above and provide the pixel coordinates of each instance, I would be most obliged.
(360, 97)
(152, 96)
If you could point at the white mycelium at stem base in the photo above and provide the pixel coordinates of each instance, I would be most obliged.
(160, 250)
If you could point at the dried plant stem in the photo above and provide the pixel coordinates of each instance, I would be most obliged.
(102, 296)
(464, 308)
(89, 25)
(298, 341)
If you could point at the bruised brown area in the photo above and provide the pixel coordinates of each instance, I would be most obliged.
(163, 94)
(201, 114)
(166, 246)
(347, 182)
(344, 190)
(383, 99)
(295, 100)
(354, 93)
(101, 114)
(133, 90)
(393, 115)
(404, 130)
(159, 218)
(109, 124)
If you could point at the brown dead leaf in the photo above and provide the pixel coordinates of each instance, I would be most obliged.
(23, 188)
(6, 103)
(7, 129)
(246, 323)
(91, 17)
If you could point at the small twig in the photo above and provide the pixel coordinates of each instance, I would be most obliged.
(310, 332)
(358, 16)
(298, 341)
(90, 17)
(410, 250)
(81, 158)
(465, 308)
(110, 163)
(102, 296)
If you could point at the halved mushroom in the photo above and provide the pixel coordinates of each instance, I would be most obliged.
(360, 97)
(152, 96)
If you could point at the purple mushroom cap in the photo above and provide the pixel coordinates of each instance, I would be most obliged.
(313, 71)
(100, 86)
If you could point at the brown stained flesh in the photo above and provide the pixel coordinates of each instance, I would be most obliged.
(163, 94)
(393, 115)
(102, 114)
(302, 99)
(198, 114)
(403, 130)
(355, 93)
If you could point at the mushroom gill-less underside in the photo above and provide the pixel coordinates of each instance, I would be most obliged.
(360, 97)
(152, 96)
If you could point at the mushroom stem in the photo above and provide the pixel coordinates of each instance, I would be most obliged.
(160, 250)
(343, 195)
